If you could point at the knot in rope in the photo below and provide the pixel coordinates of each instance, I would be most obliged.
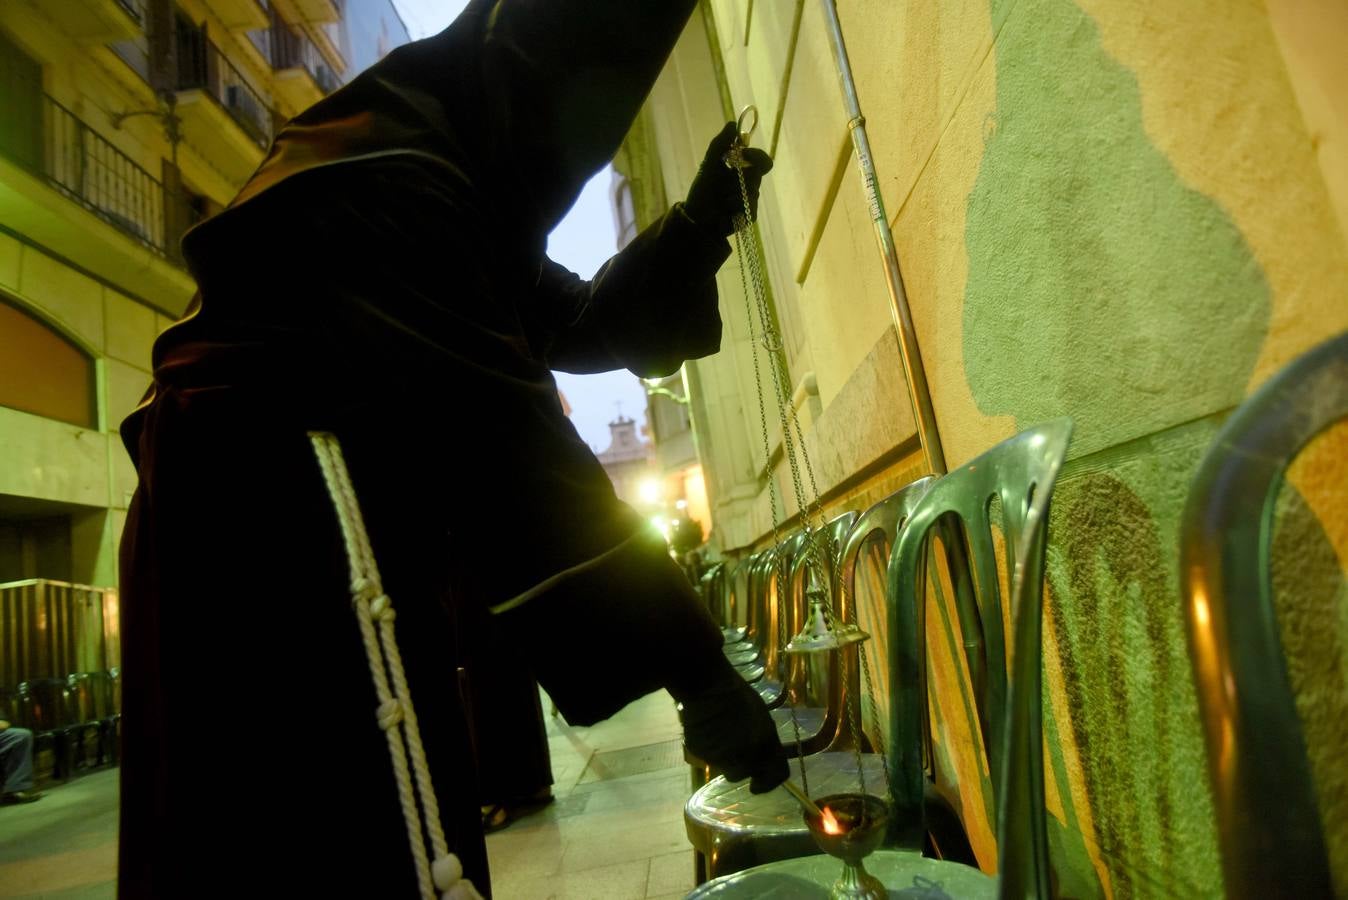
(381, 609)
(447, 873)
(389, 713)
(371, 604)
(446, 870)
(363, 588)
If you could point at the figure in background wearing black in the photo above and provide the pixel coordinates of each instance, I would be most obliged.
(383, 277)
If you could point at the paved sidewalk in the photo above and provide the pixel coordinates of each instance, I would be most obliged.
(605, 838)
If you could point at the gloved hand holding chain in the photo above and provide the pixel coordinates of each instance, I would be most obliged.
(714, 199)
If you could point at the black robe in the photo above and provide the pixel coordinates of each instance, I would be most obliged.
(383, 277)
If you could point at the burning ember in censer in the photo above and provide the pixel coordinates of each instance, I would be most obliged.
(848, 826)
(851, 827)
(830, 822)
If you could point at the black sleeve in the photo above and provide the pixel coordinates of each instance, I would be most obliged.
(634, 595)
(648, 309)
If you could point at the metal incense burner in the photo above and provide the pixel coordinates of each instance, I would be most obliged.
(822, 632)
(851, 828)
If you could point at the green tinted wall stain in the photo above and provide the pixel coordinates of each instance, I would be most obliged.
(1073, 872)
(1111, 582)
(1113, 571)
(1310, 593)
(1099, 285)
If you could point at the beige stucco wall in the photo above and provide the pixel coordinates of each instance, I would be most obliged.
(42, 459)
(1130, 215)
(103, 290)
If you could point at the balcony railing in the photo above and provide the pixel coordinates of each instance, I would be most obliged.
(203, 66)
(81, 164)
(89, 170)
(292, 50)
(287, 48)
(327, 79)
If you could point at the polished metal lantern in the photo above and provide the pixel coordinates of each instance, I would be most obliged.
(822, 632)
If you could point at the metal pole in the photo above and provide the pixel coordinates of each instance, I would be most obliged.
(918, 392)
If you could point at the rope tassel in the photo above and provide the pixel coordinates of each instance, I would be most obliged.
(373, 608)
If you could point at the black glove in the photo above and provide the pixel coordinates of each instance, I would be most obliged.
(728, 725)
(714, 199)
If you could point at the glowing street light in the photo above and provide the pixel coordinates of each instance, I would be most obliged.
(650, 490)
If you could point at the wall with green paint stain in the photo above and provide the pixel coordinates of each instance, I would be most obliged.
(1100, 286)
(1125, 671)
(1107, 210)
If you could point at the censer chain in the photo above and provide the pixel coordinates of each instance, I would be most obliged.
(793, 446)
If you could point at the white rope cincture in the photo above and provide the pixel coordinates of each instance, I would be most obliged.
(442, 872)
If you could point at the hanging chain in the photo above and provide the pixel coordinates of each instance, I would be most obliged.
(793, 448)
(757, 302)
(772, 343)
(778, 561)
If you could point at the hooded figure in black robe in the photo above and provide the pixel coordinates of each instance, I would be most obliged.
(383, 277)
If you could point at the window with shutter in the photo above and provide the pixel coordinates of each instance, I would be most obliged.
(20, 106)
(43, 373)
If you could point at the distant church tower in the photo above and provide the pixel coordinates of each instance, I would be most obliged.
(627, 458)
